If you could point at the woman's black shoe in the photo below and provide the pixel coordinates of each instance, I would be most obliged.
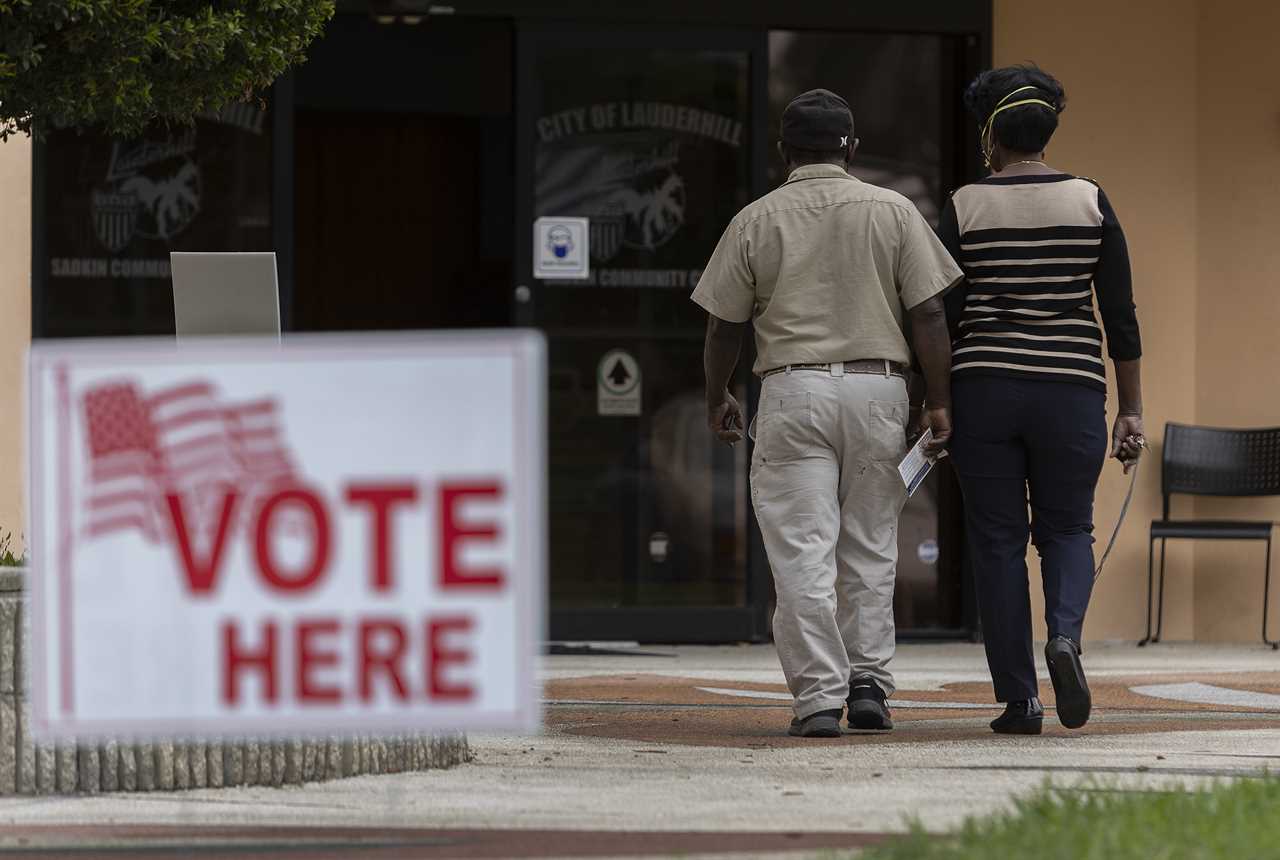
(1070, 690)
(1019, 718)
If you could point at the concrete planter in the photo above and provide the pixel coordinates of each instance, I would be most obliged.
(165, 765)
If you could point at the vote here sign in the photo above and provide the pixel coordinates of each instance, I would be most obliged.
(325, 535)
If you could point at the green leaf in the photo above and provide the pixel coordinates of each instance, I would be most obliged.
(121, 65)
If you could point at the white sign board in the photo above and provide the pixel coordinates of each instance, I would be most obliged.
(225, 293)
(618, 385)
(561, 248)
(239, 537)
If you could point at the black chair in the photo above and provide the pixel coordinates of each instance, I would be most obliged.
(1208, 461)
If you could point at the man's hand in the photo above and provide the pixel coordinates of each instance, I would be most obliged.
(933, 347)
(937, 419)
(1128, 440)
(916, 423)
(724, 417)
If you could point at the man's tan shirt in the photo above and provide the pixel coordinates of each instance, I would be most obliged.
(825, 265)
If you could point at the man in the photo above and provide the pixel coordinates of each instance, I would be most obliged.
(829, 269)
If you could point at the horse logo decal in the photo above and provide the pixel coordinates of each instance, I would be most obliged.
(152, 190)
(653, 215)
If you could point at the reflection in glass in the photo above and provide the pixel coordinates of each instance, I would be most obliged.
(114, 209)
(900, 88)
(892, 83)
(652, 147)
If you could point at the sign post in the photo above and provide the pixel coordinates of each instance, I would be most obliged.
(238, 537)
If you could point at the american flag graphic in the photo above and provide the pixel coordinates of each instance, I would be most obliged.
(181, 440)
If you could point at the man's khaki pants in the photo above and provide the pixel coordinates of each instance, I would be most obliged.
(826, 490)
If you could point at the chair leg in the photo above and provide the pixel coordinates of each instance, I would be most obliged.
(1160, 603)
(1266, 599)
(1151, 552)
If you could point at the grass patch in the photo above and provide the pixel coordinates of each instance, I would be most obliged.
(7, 558)
(1232, 820)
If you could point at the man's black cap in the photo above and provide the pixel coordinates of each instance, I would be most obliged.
(818, 120)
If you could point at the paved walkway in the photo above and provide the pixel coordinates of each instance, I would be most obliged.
(658, 751)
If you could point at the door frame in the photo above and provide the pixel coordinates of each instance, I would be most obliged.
(749, 621)
(696, 24)
(750, 33)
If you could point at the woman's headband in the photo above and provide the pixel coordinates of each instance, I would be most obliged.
(1001, 106)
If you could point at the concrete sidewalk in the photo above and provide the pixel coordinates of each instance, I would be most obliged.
(688, 740)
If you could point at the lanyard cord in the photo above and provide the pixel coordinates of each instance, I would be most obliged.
(1124, 509)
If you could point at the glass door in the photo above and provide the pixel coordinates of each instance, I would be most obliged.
(904, 89)
(649, 136)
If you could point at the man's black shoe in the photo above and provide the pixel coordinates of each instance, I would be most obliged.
(1020, 718)
(1070, 689)
(867, 708)
(824, 724)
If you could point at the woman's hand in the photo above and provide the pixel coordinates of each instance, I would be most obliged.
(1128, 440)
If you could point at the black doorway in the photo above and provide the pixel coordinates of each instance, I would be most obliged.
(403, 163)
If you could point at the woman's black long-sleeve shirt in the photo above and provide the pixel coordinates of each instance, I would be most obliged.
(1035, 249)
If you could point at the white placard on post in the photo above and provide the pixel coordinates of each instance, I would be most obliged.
(225, 293)
(239, 537)
(561, 248)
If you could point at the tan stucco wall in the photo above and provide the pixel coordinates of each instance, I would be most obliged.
(1238, 308)
(1130, 72)
(15, 324)
(1174, 107)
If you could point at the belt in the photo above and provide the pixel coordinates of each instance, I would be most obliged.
(878, 366)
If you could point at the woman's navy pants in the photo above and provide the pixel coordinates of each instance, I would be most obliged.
(1017, 441)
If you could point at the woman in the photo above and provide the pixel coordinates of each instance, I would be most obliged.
(1029, 384)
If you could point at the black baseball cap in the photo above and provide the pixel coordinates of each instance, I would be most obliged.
(819, 120)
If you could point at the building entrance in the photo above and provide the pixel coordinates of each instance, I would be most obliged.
(398, 174)
(403, 193)
(390, 227)
(649, 134)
